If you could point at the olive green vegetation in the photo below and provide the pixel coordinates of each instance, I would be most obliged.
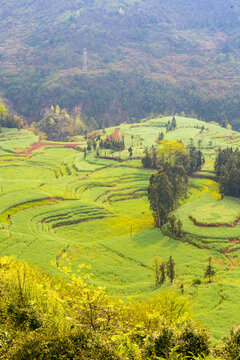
(56, 200)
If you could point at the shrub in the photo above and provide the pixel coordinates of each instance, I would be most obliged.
(230, 347)
(193, 341)
(160, 344)
(196, 281)
(190, 342)
(77, 345)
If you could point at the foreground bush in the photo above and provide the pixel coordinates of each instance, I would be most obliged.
(230, 346)
(73, 346)
(42, 319)
(189, 341)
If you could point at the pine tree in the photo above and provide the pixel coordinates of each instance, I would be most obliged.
(171, 269)
(209, 272)
(173, 123)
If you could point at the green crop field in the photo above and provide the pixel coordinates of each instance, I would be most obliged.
(95, 211)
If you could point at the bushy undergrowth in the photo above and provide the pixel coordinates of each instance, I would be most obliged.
(46, 319)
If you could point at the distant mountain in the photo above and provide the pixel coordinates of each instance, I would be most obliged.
(144, 57)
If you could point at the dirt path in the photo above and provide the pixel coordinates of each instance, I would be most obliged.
(115, 135)
(231, 263)
(227, 251)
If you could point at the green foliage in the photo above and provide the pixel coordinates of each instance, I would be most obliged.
(42, 319)
(189, 342)
(95, 211)
(227, 166)
(230, 346)
(171, 269)
(59, 125)
(209, 272)
(9, 120)
(165, 189)
(160, 195)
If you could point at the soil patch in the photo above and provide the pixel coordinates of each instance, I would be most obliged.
(40, 144)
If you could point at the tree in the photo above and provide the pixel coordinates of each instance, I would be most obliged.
(171, 269)
(89, 145)
(160, 195)
(162, 273)
(174, 153)
(178, 178)
(156, 263)
(174, 226)
(146, 160)
(158, 267)
(209, 272)
(173, 123)
(227, 167)
(154, 157)
(161, 136)
(130, 150)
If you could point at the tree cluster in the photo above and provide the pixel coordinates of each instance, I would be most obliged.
(162, 270)
(59, 125)
(174, 227)
(171, 125)
(9, 120)
(112, 144)
(227, 167)
(174, 153)
(166, 187)
(196, 158)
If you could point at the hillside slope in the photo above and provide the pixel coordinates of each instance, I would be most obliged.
(143, 57)
(56, 202)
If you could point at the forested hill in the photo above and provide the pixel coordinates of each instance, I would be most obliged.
(144, 57)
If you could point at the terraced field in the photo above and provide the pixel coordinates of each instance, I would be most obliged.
(95, 211)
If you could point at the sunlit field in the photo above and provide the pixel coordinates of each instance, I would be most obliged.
(57, 205)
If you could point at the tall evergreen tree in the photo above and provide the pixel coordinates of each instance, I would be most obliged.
(160, 195)
(171, 269)
(209, 272)
(173, 123)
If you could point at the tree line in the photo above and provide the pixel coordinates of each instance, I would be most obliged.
(162, 270)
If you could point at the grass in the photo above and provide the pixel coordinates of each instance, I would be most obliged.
(99, 208)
